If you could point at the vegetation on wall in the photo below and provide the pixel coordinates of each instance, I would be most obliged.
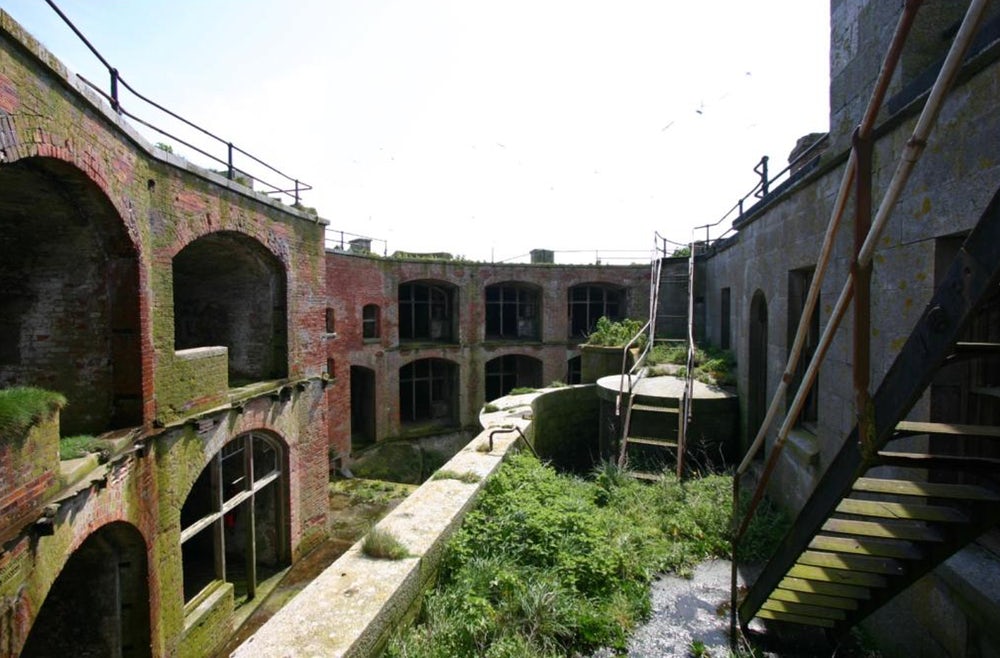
(711, 364)
(610, 333)
(550, 564)
(24, 406)
(81, 445)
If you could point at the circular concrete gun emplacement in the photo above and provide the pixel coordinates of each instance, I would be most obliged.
(650, 427)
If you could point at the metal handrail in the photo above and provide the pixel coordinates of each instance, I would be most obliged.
(507, 430)
(116, 81)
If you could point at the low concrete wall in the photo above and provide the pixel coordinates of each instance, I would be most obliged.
(565, 427)
(352, 607)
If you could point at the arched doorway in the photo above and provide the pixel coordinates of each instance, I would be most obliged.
(229, 290)
(69, 295)
(757, 368)
(362, 406)
(99, 604)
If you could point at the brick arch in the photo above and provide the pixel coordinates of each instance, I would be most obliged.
(63, 230)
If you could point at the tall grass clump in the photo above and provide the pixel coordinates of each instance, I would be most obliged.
(552, 565)
(24, 406)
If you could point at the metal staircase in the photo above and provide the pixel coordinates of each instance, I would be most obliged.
(653, 429)
(901, 496)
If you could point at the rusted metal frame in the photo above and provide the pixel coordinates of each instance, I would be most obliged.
(908, 159)
(975, 273)
(862, 147)
(865, 130)
(684, 417)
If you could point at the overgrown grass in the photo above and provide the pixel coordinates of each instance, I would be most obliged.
(490, 408)
(552, 565)
(615, 333)
(711, 364)
(521, 390)
(81, 445)
(467, 477)
(24, 406)
(383, 545)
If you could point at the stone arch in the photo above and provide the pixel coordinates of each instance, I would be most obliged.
(71, 313)
(230, 290)
(99, 603)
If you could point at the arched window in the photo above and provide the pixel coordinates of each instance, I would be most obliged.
(427, 312)
(588, 302)
(511, 371)
(233, 525)
(428, 392)
(513, 312)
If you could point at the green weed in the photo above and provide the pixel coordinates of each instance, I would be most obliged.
(24, 406)
(383, 545)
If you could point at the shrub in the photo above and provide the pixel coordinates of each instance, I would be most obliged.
(445, 474)
(610, 333)
(24, 406)
(74, 447)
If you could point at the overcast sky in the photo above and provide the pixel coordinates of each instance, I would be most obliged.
(484, 129)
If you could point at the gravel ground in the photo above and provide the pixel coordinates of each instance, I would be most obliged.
(685, 610)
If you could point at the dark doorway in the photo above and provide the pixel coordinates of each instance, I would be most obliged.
(428, 392)
(362, 406)
(757, 370)
(229, 290)
(69, 295)
(99, 605)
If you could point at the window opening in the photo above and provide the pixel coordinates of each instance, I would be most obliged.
(231, 523)
(370, 322)
(798, 289)
(511, 371)
(587, 303)
(725, 318)
(512, 312)
(425, 312)
(427, 391)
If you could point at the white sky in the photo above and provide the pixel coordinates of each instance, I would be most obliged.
(484, 129)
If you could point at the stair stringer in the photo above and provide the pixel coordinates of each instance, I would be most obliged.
(973, 275)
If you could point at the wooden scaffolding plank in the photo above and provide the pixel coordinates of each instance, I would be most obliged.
(836, 576)
(911, 511)
(885, 530)
(911, 428)
(805, 610)
(820, 587)
(899, 549)
(852, 562)
(796, 619)
(926, 489)
(844, 603)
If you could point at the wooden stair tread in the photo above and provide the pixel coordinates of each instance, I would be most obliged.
(656, 409)
(804, 609)
(874, 546)
(968, 347)
(910, 428)
(795, 619)
(885, 530)
(909, 511)
(927, 489)
(837, 576)
(650, 441)
(642, 475)
(824, 600)
(795, 584)
(852, 562)
(943, 462)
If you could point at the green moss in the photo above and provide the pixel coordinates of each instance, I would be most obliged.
(24, 406)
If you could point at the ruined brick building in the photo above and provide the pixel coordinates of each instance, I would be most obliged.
(229, 361)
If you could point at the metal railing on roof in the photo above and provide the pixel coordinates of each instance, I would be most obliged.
(287, 185)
